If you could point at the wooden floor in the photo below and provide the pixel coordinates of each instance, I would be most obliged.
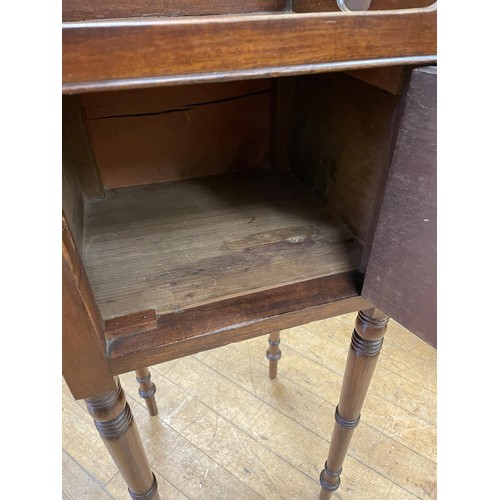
(225, 431)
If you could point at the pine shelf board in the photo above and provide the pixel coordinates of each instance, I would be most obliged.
(170, 247)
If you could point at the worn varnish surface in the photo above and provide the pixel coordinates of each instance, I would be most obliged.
(401, 276)
(225, 431)
(173, 246)
(99, 54)
(155, 135)
(209, 326)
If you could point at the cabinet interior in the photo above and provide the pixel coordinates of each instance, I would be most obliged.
(187, 195)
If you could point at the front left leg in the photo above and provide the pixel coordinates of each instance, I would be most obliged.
(116, 425)
(366, 343)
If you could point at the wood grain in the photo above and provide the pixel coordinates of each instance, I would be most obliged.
(85, 368)
(401, 272)
(179, 465)
(155, 135)
(313, 374)
(262, 414)
(341, 144)
(78, 484)
(79, 10)
(141, 321)
(81, 436)
(245, 462)
(206, 327)
(105, 53)
(394, 424)
(173, 246)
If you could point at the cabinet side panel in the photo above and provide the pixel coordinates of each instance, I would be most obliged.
(85, 367)
(401, 272)
(341, 144)
(72, 195)
(78, 155)
(72, 201)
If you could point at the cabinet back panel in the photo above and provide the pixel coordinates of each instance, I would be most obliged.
(164, 134)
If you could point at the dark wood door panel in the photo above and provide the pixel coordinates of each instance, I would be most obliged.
(401, 273)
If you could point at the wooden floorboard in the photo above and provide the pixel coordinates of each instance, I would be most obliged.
(78, 483)
(226, 431)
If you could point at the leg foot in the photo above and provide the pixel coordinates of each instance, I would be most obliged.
(147, 390)
(366, 344)
(273, 354)
(116, 425)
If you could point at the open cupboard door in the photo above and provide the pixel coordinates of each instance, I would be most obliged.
(401, 272)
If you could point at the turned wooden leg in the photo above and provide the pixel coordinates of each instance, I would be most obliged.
(273, 354)
(118, 430)
(147, 390)
(366, 344)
